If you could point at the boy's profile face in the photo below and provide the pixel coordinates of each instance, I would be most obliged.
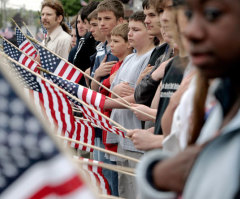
(82, 30)
(152, 21)
(137, 35)
(213, 33)
(106, 22)
(118, 46)
(98, 36)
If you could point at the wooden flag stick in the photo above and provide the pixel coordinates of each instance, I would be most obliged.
(115, 100)
(99, 149)
(76, 111)
(88, 76)
(107, 166)
(65, 92)
(27, 28)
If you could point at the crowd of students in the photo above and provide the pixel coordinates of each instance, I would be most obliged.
(177, 61)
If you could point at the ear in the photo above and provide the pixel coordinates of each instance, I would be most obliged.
(120, 20)
(60, 18)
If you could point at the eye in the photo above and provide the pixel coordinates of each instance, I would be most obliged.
(212, 14)
(160, 10)
(188, 13)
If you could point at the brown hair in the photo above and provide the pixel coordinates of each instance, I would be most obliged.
(198, 116)
(93, 15)
(112, 5)
(138, 16)
(57, 6)
(121, 30)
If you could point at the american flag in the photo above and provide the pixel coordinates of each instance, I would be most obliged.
(14, 53)
(30, 35)
(87, 95)
(96, 175)
(59, 67)
(55, 104)
(92, 98)
(100, 121)
(25, 45)
(30, 164)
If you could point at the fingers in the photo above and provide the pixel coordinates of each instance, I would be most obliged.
(130, 133)
(104, 59)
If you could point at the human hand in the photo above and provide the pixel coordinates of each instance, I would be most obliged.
(144, 139)
(140, 107)
(159, 72)
(147, 70)
(104, 68)
(123, 89)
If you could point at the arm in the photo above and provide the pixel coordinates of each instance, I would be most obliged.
(103, 70)
(113, 103)
(144, 139)
(123, 89)
(146, 89)
(86, 78)
(145, 109)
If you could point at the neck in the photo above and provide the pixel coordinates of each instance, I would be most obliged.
(160, 39)
(49, 31)
(145, 49)
(108, 38)
(121, 58)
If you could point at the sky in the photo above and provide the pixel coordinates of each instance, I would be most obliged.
(29, 4)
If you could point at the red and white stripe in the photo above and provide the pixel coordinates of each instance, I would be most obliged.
(28, 48)
(58, 110)
(85, 133)
(96, 175)
(28, 62)
(55, 178)
(66, 71)
(91, 97)
(100, 121)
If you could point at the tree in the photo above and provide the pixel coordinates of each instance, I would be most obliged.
(71, 7)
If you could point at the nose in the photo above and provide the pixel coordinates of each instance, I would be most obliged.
(111, 44)
(91, 29)
(195, 30)
(130, 33)
(147, 21)
(164, 16)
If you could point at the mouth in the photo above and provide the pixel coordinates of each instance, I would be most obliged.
(201, 58)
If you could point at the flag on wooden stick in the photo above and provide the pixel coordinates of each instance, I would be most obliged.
(92, 98)
(55, 104)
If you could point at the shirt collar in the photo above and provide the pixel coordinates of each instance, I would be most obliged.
(55, 33)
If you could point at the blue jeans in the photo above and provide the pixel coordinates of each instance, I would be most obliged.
(111, 176)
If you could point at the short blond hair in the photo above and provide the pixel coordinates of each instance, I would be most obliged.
(121, 30)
